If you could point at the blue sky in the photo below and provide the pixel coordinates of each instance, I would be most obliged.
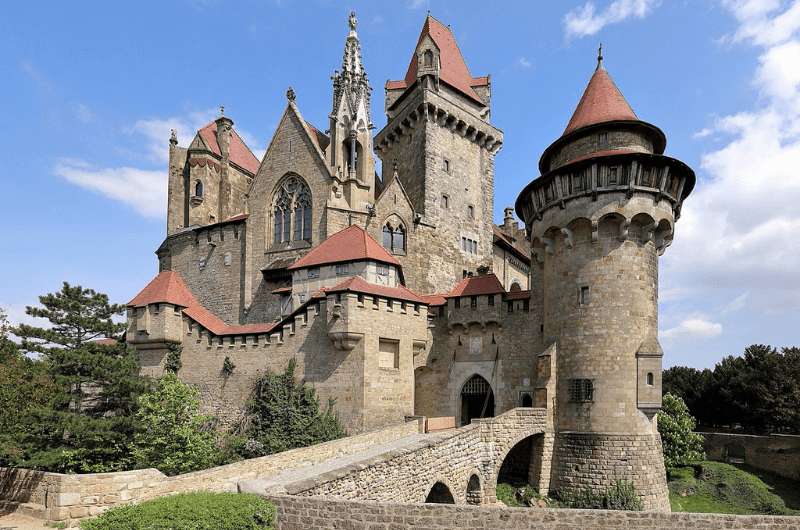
(91, 89)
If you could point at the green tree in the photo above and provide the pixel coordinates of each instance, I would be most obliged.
(88, 424)
(283, 414)
(682, 445)
(171, 433)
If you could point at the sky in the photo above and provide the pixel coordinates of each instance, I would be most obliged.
(91, 89)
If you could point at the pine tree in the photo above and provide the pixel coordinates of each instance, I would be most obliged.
(90, 422)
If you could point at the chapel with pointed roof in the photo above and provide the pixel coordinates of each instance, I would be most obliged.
(397, 295)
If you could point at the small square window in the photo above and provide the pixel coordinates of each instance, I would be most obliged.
(360, 298)
(473, 302)
(581, 390)
(342, 269)
(314, 272)
(383, 269)
(491, 299)
(457, 303)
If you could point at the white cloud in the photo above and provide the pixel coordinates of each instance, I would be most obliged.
(692, 328)
(156, 131)
(737, 304)
(586, 20)
(416, 4)
(524, 62)
(739, 227)
(144, 190)
(703, 133)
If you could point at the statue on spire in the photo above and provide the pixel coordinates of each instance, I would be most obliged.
(353, 21)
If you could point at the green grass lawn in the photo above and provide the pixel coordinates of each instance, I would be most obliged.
(715, 487)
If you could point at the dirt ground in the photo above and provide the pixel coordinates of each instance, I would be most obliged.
(20, 522)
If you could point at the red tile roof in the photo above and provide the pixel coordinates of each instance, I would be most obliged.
(318, 137)
(351, 244)
(517, 295)
(452, 68)
(434, 299)
(240, 154)
(357, 284)
(601, 102)
(477, 285)
(168, 287)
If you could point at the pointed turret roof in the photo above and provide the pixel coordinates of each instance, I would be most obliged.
(601, 102)
(453, 69)
(351, 244)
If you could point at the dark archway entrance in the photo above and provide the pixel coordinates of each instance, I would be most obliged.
(440, 494)
(522, 464)
(477, 399)
(474, 490)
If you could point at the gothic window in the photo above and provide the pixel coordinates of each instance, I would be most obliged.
(427, 58)
(394, 239)
(292, 211)
(198, 189)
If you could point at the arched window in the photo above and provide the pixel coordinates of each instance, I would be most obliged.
(387, 236)
(198, 189)
(292, 211)
(394, 239)
(427, 58)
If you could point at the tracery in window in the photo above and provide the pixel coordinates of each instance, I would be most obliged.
(292, 211)
(394, 238)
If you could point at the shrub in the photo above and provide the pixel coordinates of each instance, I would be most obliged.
(190, 511)
(620, 496)
(682, 446)
(172, 435)
(283, 414)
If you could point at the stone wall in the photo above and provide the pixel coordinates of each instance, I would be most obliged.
(777, 453)
(303, 513)
(69, 498)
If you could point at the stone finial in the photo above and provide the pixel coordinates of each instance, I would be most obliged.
(394, 168)
(600, 57)
(290, 95)
(222, 110)
(352, 21)
(173, 137)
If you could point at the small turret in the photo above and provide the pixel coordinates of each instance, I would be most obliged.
(224, 127)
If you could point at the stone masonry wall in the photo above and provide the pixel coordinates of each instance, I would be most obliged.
(68, 498)
(777, 453)
(303, 513)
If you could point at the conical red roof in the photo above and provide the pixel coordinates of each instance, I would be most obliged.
(453, 69)
(601, 102)
(351, 244)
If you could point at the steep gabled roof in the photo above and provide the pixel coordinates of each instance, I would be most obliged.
(351, 244)
(601, 102)
(502, 239)
(239, 153)
(169, 288)
(357, 284)
(452, 68)
(476, 285)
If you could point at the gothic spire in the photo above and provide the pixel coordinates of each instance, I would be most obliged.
(351, 63)
(351, 81)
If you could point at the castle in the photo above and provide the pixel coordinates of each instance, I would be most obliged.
(397, 295)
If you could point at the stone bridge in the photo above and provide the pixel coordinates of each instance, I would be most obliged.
(461, 466)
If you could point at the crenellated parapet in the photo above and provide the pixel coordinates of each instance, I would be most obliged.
(639, 189)
(429, 108)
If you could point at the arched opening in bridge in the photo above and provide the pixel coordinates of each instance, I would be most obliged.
(523, 463)
(440, 494)
(474, 490)
(477, 399)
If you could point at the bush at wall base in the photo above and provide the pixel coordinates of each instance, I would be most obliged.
(190, 511)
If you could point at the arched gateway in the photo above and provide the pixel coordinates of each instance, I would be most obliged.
(477, 399)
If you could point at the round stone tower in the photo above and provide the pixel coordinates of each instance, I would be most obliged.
(598, 217)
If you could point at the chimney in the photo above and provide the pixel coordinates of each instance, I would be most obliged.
(224, 126)
(509, 223)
